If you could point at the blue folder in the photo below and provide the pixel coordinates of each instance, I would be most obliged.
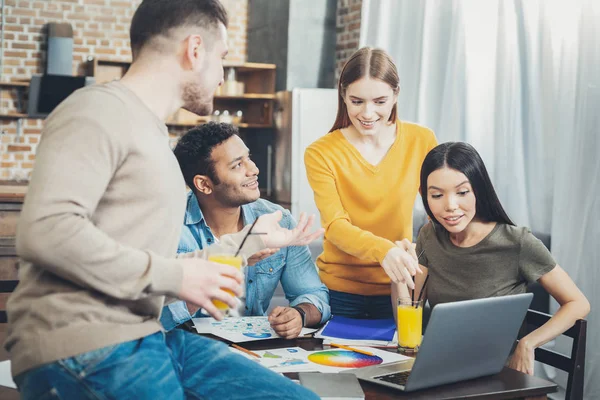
(360, 329)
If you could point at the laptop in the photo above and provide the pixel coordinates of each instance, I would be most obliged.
(463, 340)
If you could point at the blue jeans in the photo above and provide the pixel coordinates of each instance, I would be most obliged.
(175, 365)
(359, 306)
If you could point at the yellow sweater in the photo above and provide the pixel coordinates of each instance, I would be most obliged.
(364, 208)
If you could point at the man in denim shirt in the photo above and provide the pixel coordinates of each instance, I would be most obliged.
(224, 198)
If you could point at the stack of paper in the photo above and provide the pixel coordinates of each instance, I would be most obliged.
(359, 332)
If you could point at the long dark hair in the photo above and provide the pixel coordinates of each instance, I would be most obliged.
(365, 62)
(464, 158)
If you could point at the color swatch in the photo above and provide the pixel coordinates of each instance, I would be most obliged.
(343, 359)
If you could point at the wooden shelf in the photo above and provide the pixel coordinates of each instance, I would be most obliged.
(112, 62)
(249, 66)
(245, 65)
(241, 66)
(255, 126)
(248, 96)
(21, 86)
(191, 125)
(183, 124)
(259, 79)
(16, 116)
(12, 193)
(106, 70)
(14, 84)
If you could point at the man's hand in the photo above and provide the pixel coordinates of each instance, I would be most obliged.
(192, 308)
(276, 237)
(286, 321)
(204, 281)
(261, 255)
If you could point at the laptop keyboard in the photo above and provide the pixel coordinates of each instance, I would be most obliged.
(398, 378)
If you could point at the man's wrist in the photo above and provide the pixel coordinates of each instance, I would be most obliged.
(302, 314)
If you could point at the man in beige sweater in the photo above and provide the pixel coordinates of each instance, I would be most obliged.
(99, 231)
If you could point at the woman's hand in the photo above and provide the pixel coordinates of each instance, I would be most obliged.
(401, 264)
(523, 358)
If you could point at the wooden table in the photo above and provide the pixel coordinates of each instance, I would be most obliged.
(508, 384)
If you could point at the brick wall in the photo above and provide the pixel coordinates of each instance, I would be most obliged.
(348, 32)
(100, 29)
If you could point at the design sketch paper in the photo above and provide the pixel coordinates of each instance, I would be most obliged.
(240, 329)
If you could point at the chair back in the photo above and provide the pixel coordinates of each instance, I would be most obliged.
(11, 199)
(574, 365)
(8, 275)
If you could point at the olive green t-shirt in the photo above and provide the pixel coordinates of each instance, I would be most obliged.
(503, 263)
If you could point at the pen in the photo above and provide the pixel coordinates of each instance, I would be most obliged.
(350, 348)
(240, 348)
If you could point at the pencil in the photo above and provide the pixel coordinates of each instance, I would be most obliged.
(350, 348)
(240, 348)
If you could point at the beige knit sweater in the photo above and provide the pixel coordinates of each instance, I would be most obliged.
(99, 230)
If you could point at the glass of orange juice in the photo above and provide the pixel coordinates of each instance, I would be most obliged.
(223, 255)
(409, 324)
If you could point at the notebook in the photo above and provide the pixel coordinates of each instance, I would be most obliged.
(359, 329)
(332, 386)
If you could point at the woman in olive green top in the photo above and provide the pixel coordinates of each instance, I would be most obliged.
(471, 249)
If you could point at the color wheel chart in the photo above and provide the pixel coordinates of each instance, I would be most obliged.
(343, 359)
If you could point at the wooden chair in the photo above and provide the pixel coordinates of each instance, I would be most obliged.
(11, 202)
(8, 271)
(6, 287)
(574, 365)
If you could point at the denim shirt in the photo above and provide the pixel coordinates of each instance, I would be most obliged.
(292, 266)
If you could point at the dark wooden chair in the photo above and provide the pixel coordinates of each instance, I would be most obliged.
(8, 267)
(574, 365)
(6, 287)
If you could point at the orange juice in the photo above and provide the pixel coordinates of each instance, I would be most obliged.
(410, 322)
(229, 260)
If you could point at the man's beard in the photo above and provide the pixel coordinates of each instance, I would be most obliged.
(228, 199)
(193, 100)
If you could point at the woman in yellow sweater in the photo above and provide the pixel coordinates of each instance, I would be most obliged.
(365, 176)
